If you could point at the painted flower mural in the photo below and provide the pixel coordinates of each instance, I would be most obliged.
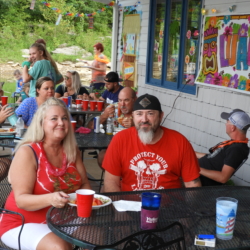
(227, 19)
(228, 31)
(188, 34)
(243, 30)
(213, 21)
(234, 81)
(217, 79)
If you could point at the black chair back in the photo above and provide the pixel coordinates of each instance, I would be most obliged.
(168, 238)
(5, 212)
(5, 187)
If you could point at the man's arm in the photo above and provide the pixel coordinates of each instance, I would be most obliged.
(111, 183)
(109, 111)
(220, 176)
(199, 155)
(193, 183)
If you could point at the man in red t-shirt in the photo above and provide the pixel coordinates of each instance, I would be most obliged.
(149, 156)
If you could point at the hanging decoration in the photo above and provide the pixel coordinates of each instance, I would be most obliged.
(91, 22)
(32, 5)
(138, 3)
(232, 8)
(59, 19)
(110, 5)
(213, 10)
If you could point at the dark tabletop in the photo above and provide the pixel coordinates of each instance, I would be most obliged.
(93, 140)
(194, 208)
(84, 141)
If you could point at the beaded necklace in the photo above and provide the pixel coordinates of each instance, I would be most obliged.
(52, 169)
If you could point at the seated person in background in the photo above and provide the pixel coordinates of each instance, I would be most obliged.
(44, 89)
(24, 93)
(149, 156)
(19, 80)
(49, 159)
(5, 113)
(126, 99)
(110, 95)
(72, 87)
(224, 158)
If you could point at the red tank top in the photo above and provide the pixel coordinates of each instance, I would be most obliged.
(45, 183)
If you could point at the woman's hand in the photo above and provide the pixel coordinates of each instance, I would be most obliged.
(59, 199)
(66, 94)
(5, 113)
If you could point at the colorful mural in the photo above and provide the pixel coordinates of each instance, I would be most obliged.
(226, 52)
(130, 44)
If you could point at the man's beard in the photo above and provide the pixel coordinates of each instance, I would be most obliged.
(124, 110)
(146, 137)
(111, 90)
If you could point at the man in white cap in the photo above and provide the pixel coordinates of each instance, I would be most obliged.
(149, 156)
(224, 158)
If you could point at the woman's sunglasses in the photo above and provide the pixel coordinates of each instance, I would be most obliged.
(66, 77)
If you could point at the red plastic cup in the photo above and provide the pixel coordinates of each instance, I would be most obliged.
(65, 99)
(4, 100)
(100, 105)
(84, 202)
(92, 105)
(78, 103)
(85, 104)
(73, 123)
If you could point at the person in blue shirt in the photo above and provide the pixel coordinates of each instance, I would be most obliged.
(19, 80)
(113, 88)
(24, 93)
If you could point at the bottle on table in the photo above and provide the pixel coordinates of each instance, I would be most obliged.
(19, 125)
(110, 126)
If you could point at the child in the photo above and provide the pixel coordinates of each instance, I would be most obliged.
(24, 93)
(19, 80)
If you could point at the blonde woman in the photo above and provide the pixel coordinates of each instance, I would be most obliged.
(72, 87)
(46, 167)
(44, 65)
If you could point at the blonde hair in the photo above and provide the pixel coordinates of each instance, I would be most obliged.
(35, 132)
(76, 81)
(46, 55)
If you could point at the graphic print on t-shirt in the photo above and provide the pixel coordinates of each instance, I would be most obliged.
(148, 167)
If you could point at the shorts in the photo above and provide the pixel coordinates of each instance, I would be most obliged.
(31, 235)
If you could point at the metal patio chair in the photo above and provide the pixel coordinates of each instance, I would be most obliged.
(5, 212)
(168, 238)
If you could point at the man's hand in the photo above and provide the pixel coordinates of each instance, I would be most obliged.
(5, 113)
(109, 111)
(127, 122)
(93, 96)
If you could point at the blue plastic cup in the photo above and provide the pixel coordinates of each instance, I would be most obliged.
(150, 210)
(13, 118)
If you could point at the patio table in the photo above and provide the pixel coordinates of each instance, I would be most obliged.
(93, 140)
(194, 208)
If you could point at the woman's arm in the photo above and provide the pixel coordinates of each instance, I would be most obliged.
(82, 171)
(22, 175)
(26, 76)
(102, 67)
